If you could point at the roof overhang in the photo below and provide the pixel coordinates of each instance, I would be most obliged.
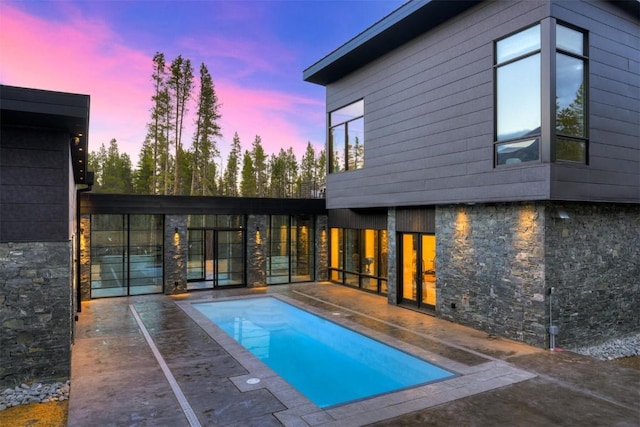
(402, 25)
(50, 110)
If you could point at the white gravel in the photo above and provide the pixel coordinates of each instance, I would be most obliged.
(613, 349)
(34, 393)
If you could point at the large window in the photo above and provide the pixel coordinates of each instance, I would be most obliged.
(346, 138)
(290, 249)
(518, 77)
(359, 258)
(126, 255)
(518, 98)
(571, 129)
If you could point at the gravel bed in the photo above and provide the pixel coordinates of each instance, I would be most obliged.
(613, 349)
(34, 393)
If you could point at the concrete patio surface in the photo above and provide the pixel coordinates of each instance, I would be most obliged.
(153, 361)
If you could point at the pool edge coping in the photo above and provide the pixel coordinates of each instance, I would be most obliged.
(467, 381)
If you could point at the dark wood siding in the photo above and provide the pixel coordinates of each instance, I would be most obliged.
(360, 220)
(613, 173)
(34, 180)
(429, 116)
(96, 203)
(418, 220)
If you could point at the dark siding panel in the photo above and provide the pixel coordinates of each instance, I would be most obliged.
(421, 220)
(429, 118)
(95, 203)
(347, 218)
(34, 175)
(613, 173)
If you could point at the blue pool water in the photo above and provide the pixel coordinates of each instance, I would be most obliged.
(324, 361)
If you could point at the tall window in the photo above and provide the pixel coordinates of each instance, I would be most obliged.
(518, 97)
(518, 73)
(346, 138)
(571, 129)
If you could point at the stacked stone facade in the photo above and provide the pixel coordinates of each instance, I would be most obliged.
(491, 269)
(175, 254)
(593, 264)
(35, 312)
(498, 264)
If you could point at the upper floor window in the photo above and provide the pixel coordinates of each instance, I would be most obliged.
(518, 76)
(346, 138)
(571, 129)
(518, 113)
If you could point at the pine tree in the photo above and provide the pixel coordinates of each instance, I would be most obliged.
(308, 180)
(231, 173)
(204, 148)
(144, 179)
(259, 158)
(180, 85)
(152, 175)
(116, 171)
(248, 186)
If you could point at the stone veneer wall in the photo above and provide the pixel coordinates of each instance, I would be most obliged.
(490, 269)
(593, 263)
(392, 256)
(175, 254)
(322, 248)
(256, 248)
(35, 312)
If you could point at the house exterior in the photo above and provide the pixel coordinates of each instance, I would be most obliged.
(61, 244)
(484, 165)
(43, 145)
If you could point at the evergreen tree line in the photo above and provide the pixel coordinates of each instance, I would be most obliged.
(167, 167)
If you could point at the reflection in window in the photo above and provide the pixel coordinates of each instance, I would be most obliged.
(571, 143)
(346, 138)
(518, 97)
(518, 109)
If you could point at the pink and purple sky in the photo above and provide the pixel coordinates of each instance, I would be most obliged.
(255, 51)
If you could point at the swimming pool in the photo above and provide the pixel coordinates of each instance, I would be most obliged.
(326, 362)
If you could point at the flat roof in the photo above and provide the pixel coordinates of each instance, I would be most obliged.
(402, 25)
(47, 109)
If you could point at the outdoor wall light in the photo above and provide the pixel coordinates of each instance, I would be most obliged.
(562, 214)
(176, 230)
(257, 229)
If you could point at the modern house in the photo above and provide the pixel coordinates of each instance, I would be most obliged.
(60, 244)
(484, 165)
(43, 146)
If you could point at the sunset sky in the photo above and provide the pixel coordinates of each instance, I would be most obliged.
(255, 51)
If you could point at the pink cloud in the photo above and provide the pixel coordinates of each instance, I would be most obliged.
(279, 118)
(84, 55)
(79, 56)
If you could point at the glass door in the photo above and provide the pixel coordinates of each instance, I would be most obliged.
(229, 259)
(418, 270)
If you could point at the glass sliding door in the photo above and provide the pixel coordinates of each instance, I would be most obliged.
(145, 254)
(290, 249)
(126, 255)
(359, 258)
(108, 256)
(302, 244)
(229, 258)
(418, 270)
(278, 250)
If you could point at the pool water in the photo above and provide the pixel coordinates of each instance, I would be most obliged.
(324, 361)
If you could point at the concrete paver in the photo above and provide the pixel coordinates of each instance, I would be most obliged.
(117, 381)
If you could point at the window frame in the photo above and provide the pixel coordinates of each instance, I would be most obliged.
(548, 136)
(496, 67)
(346, 163)
(584, 57)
